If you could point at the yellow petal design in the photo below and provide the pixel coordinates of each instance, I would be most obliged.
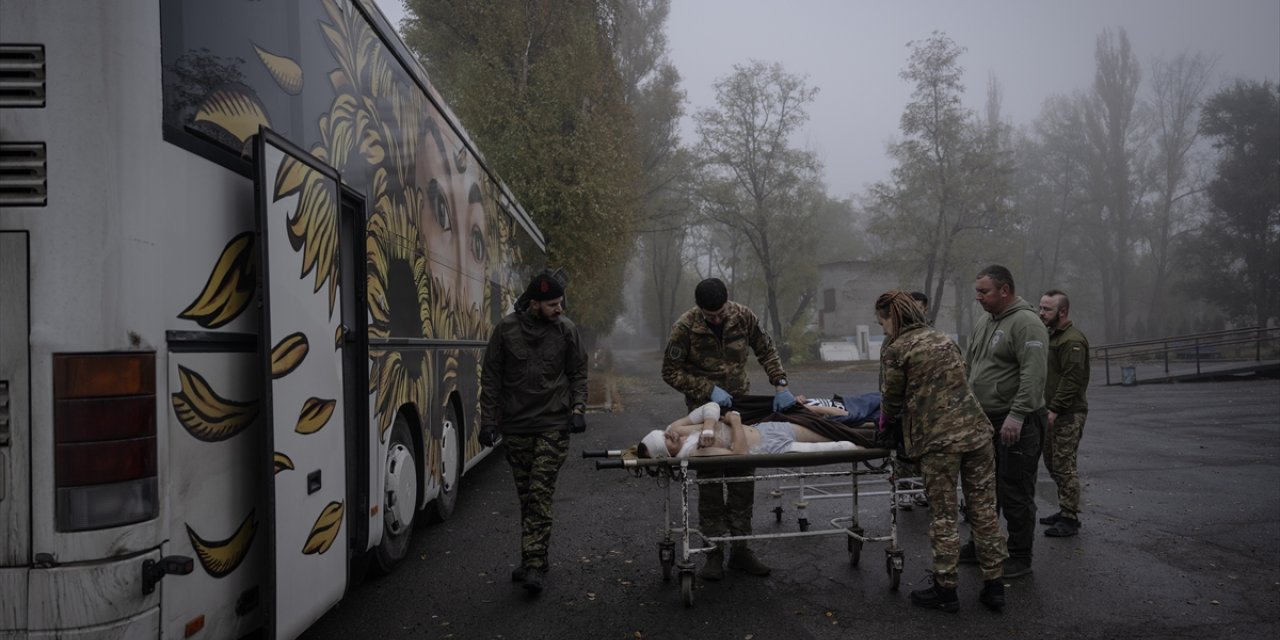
(207, 416)
(285, 71)
(234, 109)
(221, 557)
(315, 414)
(283, 462)
(230, 286)
(313, 229)
(325, 530)
(288, 354)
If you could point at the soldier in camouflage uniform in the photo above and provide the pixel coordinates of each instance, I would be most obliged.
(1065, 385)
(944, 428)
(534, 391)
(706, 360)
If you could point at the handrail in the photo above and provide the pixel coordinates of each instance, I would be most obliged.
(1188, 343)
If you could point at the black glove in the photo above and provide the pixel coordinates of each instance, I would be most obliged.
(488, 436)
(579, 423)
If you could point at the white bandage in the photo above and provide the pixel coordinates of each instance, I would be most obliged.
(816, 447)
(655, 443)
(708, 411)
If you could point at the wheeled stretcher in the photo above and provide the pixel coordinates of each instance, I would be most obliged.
(856, 464)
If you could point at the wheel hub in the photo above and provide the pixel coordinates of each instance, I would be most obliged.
(401, 487)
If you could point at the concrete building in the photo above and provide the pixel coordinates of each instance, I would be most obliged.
(847, 292)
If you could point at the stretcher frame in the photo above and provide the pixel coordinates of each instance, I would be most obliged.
(666, 470)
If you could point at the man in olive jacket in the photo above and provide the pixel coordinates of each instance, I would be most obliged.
(1064, 392)
(1006, 358)
(706, 360)
(534, 390)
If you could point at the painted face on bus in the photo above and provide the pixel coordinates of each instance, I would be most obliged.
(474, 235)
(438, 215)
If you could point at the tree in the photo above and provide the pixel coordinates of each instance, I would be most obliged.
(537, 85)
(950, 188)
(1235, 252)
(1177, 87)
(758, 185)
(1114, 136)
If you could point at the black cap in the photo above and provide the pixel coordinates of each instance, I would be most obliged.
(543, 287)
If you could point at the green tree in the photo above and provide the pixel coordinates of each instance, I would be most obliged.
(758, 182)
(1235, 252)
(537, 85)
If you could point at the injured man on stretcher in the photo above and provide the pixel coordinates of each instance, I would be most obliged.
(705, 432)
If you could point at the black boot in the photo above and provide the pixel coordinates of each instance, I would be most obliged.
(936, 597)
(1064, 527)
(1049, 520)
(992, 596)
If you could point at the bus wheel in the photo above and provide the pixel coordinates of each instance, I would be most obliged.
(451, 463)
(400, 502)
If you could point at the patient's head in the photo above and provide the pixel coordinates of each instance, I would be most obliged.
(659, 444)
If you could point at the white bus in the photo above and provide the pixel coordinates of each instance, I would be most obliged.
(248, 263)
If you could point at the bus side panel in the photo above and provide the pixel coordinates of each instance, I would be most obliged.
(15, 452)
(60, 600)
(142, 625)
(217, 479)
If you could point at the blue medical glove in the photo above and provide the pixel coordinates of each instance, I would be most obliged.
(721, 397)
(783, 400)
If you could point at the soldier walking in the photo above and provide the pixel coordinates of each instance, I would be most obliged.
(1064, 391)
(534, 391)
(924, 388)
(706, 360)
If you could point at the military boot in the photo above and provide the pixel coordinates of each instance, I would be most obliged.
(936, 597)
(1064, 527)
(713, 570)
(741, 558)
(992, 596)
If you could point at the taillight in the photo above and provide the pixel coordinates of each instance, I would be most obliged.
(104, 426)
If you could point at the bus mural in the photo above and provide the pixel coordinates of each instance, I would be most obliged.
(301, 273)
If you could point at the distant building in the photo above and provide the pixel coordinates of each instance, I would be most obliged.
(847, 292)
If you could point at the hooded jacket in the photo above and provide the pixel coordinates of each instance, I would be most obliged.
(534, 373)
(1007, 359)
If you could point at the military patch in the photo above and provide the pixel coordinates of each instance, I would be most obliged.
(997, 337)
(674, 352)
(1033, 344)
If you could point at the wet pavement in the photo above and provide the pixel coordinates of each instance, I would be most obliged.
(1181, 539)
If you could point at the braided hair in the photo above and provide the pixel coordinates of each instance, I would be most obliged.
(899, 306)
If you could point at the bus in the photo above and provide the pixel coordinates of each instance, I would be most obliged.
(249, 261)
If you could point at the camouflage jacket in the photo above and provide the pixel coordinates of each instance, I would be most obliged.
(696, 360)
(534, 373)
(1006, 358)
(923, 383)
(1068, 376)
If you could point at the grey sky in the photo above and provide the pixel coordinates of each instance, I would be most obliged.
(853, 51)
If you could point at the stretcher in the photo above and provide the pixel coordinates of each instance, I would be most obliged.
(856, 464)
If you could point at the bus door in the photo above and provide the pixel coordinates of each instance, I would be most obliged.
(299, 205)
(15, 456)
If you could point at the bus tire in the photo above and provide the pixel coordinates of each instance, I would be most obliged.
(400, 489)
(451, 464)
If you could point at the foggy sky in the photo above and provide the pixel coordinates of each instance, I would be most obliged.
(853, 51)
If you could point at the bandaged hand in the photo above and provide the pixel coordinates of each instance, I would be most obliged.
(783, 400)
(1010, 430)
(706, 439)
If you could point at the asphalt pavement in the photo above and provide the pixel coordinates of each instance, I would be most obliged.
(1181, 527)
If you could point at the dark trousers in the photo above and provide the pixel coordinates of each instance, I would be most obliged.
(1016, 468)
(535, 461)
(726, 508)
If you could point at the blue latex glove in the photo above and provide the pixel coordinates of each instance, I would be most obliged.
(783, 400)
(721, 397)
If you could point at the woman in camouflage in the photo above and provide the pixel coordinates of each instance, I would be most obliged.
(924, 386)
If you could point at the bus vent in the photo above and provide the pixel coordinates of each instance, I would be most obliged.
(21, 75)
(24, 171)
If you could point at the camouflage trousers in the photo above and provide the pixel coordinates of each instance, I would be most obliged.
(976, 471)
(1062, 442)
(535, 461)
(726, 508)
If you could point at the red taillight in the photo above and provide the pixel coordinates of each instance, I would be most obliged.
(104, 439)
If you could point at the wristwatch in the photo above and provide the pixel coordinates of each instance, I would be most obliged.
(780, 382)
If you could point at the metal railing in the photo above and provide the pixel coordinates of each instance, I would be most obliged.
(1231, 346)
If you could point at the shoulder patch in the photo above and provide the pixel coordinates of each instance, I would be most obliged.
(675, 352)
(1034, 344)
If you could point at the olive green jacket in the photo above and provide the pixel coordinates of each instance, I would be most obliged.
(1006, 358)
(1068, 376)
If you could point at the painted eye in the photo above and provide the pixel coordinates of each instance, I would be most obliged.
(439, 205)
(477, 243)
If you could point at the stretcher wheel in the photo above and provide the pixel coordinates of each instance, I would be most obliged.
(893, 566)
(666, 558)
(686, 587)
(777, 514)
